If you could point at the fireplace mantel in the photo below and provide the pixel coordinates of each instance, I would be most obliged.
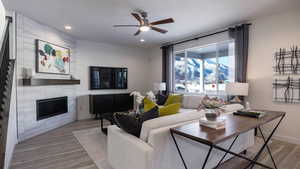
(47, 82)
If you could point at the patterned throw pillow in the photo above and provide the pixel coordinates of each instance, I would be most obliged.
(132, 124)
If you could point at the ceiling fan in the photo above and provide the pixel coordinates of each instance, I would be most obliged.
(145, 25)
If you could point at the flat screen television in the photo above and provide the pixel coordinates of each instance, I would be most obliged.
(108, 78)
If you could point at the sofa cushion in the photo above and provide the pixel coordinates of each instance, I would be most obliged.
(163, 110)
(169, 109)
(191, 101)
(173, 98)
(166, 121)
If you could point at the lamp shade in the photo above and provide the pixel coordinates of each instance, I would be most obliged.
(237, 89)
(159, 86)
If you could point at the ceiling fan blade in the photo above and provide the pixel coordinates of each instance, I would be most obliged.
(126, 25)
(159, 30)
(137, 17)
(164, 21)
(137, 33)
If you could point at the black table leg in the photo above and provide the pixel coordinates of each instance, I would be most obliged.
(178, 150)
(268, 148)
(207, 156)
(252, 163)
(227, 152)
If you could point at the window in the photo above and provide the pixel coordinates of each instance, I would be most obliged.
(204, 69)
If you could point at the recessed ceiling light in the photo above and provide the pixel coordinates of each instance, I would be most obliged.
(144, 28)
(142, 40)
(68, 27)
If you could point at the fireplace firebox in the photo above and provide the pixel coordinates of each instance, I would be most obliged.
(47, 108)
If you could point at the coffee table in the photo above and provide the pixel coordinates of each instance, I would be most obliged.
(235, 125)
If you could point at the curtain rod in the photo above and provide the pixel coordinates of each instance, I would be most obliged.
(203, 36)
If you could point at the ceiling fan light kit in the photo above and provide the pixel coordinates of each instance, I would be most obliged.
(144, 28)
(145, 25)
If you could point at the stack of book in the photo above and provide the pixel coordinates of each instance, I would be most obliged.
(250, 113)
(217, 124)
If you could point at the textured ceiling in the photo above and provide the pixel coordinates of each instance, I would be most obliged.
(93, 19)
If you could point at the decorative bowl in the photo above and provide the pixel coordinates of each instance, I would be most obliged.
(211, 116)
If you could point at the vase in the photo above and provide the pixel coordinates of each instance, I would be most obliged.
(211, 114)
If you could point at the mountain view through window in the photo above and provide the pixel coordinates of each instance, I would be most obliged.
(204, 69)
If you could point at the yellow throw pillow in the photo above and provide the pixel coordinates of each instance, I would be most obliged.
(173, 98)
(148, 104)
(169, 109)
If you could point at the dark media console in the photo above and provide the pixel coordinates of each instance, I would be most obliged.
(104, 105)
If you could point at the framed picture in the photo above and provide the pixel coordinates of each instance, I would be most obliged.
(51, 58)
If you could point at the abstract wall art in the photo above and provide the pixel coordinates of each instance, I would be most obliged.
(287, 61)
(51, 58)
(286, 89)
(286, 83)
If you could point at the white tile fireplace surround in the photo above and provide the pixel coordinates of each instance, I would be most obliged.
(28, 125)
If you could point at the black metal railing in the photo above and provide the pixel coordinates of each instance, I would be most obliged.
(6, 81)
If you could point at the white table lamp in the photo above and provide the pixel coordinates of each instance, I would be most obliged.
(236, 90)
(160, 87)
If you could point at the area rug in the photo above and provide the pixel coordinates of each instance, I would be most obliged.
(94, 142)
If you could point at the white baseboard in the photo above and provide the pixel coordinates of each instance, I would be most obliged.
(288, 139)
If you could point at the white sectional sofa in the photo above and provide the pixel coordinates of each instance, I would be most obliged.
(155, 148)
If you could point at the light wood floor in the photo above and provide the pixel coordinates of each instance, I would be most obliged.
(59, 149)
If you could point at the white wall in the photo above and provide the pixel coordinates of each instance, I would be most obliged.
(2, 20)
(100, 54)
(267, 35)
(28, 31)
(155, 62)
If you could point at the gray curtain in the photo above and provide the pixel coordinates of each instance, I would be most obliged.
(167, 67)
(241, 36)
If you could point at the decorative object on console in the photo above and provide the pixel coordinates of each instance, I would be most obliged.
(236, 90)
(27, 73)
(51, 58)
(212, 107)
(132, 123)
(150, 95)
(138, 98)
